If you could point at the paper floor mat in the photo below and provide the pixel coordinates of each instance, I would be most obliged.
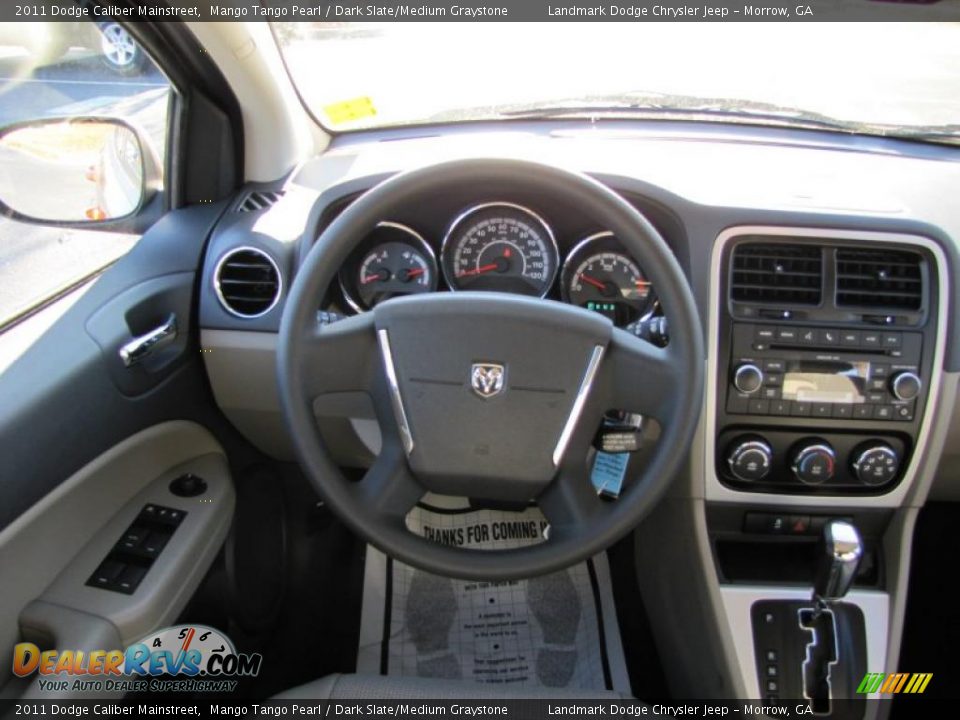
(559, 630)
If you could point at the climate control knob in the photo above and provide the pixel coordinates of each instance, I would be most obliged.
(747, 378)
(750, 459)
(814, 464)
(905, 385)
(875, 464)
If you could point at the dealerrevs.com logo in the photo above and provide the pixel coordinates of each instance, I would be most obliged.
(189, 658)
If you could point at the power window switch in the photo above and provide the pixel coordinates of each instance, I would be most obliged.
(107, 573)
(130, 578)
(153, 544)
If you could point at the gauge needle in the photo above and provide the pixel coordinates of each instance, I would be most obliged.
(596, 283)
(479, 270)
(410, 274)
(382, 274)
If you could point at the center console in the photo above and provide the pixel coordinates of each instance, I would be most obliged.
(825, 346)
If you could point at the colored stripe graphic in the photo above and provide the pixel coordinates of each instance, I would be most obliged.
(914, 683)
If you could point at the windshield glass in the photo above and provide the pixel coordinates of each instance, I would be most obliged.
(870, 76)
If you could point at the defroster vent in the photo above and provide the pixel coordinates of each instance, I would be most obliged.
(777, 273)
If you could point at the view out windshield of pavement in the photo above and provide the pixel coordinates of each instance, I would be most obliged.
(37, 261)
(888, 73)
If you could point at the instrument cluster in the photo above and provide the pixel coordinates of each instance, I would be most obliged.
(502, 247)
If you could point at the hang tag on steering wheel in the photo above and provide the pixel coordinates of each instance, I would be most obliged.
(609, 470)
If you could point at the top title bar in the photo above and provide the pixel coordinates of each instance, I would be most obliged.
(494, 10)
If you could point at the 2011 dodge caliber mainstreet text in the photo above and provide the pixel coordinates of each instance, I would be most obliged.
(357, 364)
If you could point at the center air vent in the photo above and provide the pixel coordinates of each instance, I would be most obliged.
(777, 273)
(247, 282)
(879, 279)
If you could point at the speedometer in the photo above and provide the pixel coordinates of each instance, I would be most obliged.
(500, 246)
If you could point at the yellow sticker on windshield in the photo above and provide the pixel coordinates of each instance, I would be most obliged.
(350, 110)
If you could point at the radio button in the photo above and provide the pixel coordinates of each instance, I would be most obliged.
(892, 340)
(863, 411)
(788, 335)
(870, 339)
(765, 333)
(774, 366)
(829, 337)
(879, 371)
(822, 410)
(737, 404)
(842, 410)
(780, 407)
(800, 409)
(850, 337)
(883, 412)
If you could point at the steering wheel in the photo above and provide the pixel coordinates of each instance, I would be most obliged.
(430, 362)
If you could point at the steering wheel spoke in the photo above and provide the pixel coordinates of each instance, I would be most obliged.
(388, 489)
(340, 357)
(570, 502)
(640, 377)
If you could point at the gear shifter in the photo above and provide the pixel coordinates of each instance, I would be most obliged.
(840, 551)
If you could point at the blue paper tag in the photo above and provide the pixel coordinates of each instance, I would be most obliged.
(609, 469)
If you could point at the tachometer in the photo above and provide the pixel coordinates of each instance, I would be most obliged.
(600, 276)
(397, 261)
(500, 246)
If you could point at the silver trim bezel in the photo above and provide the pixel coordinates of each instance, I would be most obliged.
(498, 203)
(396, 400)
(216, 281)
(716, 491)
(351, 301)
(578, 402)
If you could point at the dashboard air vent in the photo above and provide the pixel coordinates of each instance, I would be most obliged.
(879, 279)
(259, 200)
(247, 282)
(777, 273)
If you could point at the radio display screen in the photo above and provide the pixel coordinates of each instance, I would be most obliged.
(826, 382)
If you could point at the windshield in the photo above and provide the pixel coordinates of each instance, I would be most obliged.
(867, 77)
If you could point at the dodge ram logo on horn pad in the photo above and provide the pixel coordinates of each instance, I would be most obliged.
(486, 379)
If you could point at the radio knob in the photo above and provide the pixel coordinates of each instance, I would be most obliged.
(747, 378)
(905, 385)
(750, 460)
(876, 464)
(814, 464)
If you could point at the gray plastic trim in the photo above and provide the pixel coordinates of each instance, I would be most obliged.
(738, 600)
(715, 490)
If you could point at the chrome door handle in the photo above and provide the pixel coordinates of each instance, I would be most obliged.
(141, 347)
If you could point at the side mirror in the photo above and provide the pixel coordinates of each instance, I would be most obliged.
(75, 171)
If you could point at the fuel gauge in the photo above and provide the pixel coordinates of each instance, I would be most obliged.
(398, 262)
